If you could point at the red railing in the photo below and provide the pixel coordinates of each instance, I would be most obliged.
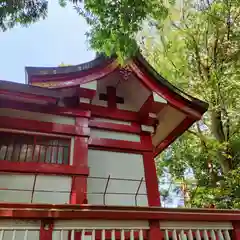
(76, 222)
(30, 148)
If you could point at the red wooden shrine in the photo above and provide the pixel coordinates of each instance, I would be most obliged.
(77, 152)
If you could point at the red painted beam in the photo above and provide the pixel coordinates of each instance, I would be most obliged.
(42, 168)
(99, 111)
(86, 93)
(46, 127)
(70, 212)
(13, 94)
(114, 127)
(50, 109)
(146, 108)
(119, 145)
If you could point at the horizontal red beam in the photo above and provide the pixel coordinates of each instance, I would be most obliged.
(124, 115)
(43, 168)
(114, 127)
(46, 127)
(119, 144)
(86, 93)
(70, 212)
(50, 109)
(27, 96)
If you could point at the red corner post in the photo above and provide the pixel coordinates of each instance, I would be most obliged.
(46, 230)
(236, 230)
(151, 177)
(154, 232)
(80, 159)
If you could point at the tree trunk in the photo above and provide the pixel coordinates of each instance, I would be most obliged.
(218, 132)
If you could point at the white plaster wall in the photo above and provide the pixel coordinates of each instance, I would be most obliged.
(48, 189)
(134, 94)
(107, 120)
(7, 227)
(114, 135)
(36, 116)
(125, 167)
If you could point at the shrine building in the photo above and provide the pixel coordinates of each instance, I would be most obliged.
(77, 149)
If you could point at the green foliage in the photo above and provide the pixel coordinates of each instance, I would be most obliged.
(21, 12)
(201, 55)
(113, 23)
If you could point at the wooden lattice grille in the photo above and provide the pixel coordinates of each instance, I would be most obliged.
(30, 148)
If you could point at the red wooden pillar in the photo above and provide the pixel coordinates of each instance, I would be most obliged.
(80, 159)
(154, 232)
(46, 230)
(236, 230)
(150, 173)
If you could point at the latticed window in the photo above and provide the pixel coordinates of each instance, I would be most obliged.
(29, 148)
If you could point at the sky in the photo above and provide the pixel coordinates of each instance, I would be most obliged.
(59, 38)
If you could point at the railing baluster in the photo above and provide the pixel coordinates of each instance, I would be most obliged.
(1, 234)
(14, 235)
(212, 235)
(25, 235)
(174, 235)
(123, 234)
(198, 235)
(166, 235)
(83, 234)
(131, 234)
(113, 234)
(205, 235)
(226, 235)
(140, 234)
(182, 235)
(220, 235)
(93, 234)
(103, 235)
(61, 235)
(26, 154)
(190, 235)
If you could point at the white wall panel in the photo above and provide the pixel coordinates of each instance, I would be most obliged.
(117, 199)
(36, 116)
(124, 167)
(117, 164)
(15, 196)
(51, 197)
(47, 189)
(11, 186)
(58, 189)
(115, 135)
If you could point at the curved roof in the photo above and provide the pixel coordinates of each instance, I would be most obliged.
(158, 83)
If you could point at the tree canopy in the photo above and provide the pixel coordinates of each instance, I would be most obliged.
(201, 55)
(113, 23)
